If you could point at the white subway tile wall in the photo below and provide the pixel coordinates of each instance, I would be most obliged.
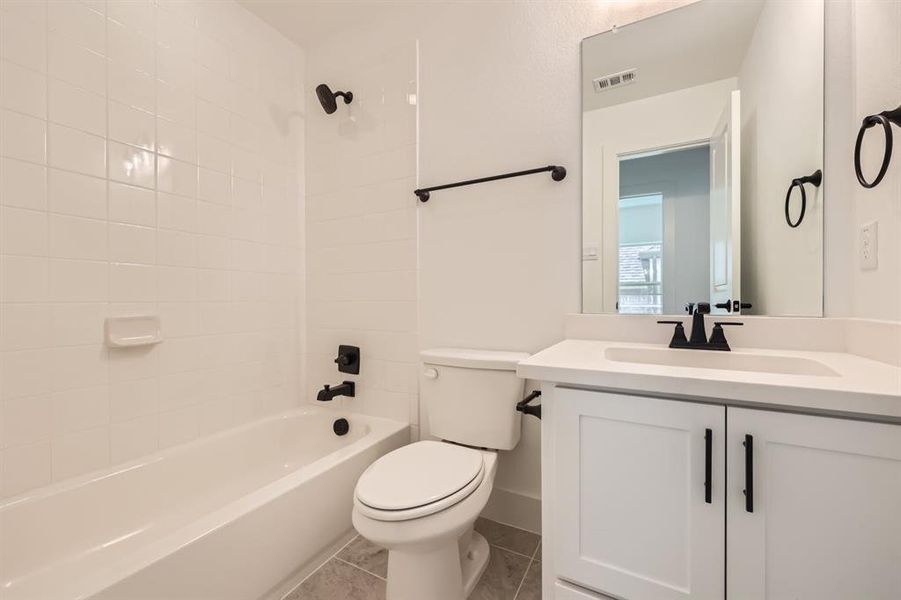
(151, 160)
(361, 229)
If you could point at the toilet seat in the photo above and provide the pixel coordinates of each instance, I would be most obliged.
(418, 480)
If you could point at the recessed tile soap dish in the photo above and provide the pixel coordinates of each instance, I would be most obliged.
(137, 330)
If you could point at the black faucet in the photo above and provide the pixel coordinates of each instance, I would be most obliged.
(698, 331)
(698, 340)
(348, 388)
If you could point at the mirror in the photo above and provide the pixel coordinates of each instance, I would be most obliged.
(701, 128)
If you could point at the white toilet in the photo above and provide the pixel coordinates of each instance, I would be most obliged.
(421, 501)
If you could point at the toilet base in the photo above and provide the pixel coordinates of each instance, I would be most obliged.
(443, 573)
(474, 562)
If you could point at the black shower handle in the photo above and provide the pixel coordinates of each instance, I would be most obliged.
(816, 178)
(885, 118)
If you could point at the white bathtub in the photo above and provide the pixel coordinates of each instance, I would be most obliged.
(226, 517)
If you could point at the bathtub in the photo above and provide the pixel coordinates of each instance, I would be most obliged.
(230, 516)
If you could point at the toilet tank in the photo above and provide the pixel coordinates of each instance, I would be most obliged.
(470, 396)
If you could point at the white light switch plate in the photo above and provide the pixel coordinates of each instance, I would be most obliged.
(868, 246)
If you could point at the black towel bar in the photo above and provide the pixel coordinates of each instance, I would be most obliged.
(885, 118)
(816, 178)
(557, 174)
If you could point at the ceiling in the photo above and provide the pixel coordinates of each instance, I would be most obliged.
(308, 22)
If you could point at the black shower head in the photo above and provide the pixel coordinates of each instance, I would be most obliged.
(327, 98)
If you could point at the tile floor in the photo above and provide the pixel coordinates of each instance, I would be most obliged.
(358, 570)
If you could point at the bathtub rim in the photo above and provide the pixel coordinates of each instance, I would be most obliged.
(164, 453)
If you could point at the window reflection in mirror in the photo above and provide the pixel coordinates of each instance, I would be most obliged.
(695, 121)
(641, 254)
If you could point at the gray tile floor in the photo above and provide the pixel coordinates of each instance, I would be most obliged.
(358, 570)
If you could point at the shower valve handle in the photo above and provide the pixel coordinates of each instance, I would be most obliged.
(348, 359)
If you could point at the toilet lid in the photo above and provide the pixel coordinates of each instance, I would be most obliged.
(419, 474)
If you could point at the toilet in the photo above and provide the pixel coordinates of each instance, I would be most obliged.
(421, 501)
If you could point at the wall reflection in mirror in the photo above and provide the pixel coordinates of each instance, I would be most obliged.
(695, 124)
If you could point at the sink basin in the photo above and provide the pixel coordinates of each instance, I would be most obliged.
(728, 361)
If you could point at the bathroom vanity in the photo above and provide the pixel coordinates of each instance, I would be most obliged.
(671, 473)
(772, 471)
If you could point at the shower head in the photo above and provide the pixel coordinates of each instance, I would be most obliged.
(327, 98)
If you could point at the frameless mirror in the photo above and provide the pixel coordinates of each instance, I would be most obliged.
(702, 150)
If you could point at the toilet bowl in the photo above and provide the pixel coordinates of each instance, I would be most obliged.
(426, 520)
(421, 501)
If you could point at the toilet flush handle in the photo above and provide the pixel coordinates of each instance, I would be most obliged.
(430, 373)
(524, 407)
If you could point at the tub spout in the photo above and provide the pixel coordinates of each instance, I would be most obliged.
(348, 388)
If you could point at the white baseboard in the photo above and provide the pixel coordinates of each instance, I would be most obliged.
(515, 509)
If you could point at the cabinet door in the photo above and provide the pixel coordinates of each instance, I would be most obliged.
(632, 518)
(823, 520)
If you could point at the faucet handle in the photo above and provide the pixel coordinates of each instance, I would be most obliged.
(718, 335)
(679, 340)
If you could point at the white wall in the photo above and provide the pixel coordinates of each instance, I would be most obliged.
(361, 227)
(876, 85)
(863, 58)
(142, 171)
(781, 82)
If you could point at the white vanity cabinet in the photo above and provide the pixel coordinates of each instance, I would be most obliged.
(651, 502)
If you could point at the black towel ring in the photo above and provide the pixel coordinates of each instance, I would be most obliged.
(816, 179)
(885, 118)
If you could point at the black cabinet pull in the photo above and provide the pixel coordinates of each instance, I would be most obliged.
(749, 472)
(885, 118)
(708, 466)
(816, 179)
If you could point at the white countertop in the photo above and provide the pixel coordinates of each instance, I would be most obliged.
(862, 387)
